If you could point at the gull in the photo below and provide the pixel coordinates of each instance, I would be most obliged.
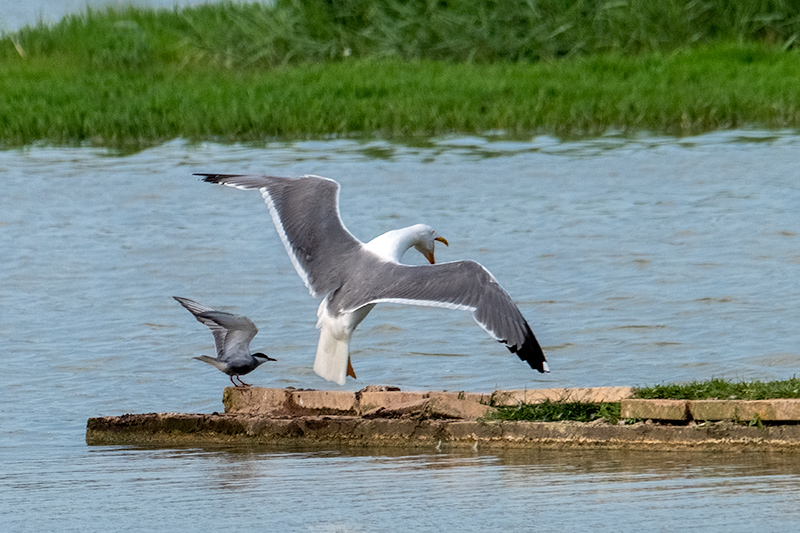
(352, 276)
(232, 336)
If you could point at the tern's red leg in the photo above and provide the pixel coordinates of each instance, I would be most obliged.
(242, 382)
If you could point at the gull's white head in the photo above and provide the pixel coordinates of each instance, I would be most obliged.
(425, 238)
(393, 244)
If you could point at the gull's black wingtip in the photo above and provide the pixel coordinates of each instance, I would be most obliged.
(216, 178)
(534, 356)
(532, 353)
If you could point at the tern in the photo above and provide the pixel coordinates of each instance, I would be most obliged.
(232, 336)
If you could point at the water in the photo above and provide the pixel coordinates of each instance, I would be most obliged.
(636, 261)
(15, 15)
(372, 490)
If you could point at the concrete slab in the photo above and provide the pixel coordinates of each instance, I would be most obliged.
(257, 400)
(254, 400)
(474, 397)
(453, 407)
(388, 399)
(174, 429)
(777, 410)
(586, 395)
(386, 416)
(324, 401)
(713, 409)
(672, 410)
(412, 408)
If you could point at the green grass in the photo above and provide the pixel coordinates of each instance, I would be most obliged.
(244, 72)
(298, 31)
(549, 411)
(721, 389)
(681, 93)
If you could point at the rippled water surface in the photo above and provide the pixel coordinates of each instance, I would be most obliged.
(636, 261)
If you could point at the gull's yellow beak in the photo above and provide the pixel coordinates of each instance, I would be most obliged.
(429, 255)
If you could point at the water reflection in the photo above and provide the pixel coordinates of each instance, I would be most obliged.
(390, 489)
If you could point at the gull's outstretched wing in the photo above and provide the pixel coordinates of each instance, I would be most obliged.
(464, 285)
(305, 211)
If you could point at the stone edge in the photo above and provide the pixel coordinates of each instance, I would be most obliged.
(754, 411)
(298, 402)
(175, 429)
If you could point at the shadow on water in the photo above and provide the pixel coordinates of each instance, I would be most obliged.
(561, 464)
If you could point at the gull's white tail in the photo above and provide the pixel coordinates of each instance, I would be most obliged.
(333, 351)
(332, 356)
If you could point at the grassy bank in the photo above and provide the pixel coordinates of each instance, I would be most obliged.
(722, 389)
(549, 411)
(713, 389)
(682, 93)
(305, 69)
(298, 31)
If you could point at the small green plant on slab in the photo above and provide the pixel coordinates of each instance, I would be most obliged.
(756, 422)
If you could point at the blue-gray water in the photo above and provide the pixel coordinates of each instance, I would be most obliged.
(636, 261)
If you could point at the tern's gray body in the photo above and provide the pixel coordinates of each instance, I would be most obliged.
(232, 336)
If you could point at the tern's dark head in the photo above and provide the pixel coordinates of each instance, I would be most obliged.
(262, 358)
